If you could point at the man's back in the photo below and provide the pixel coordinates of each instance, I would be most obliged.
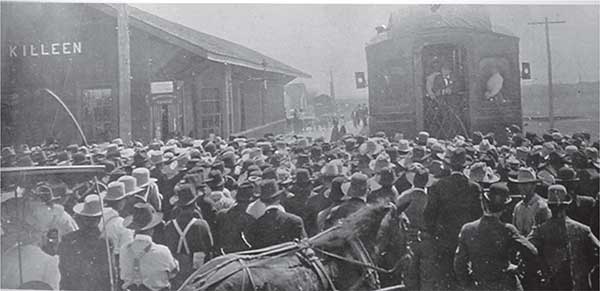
(83, 261)
(275, 227)
(453, 201)
(231, 223)
(488, 244)
(567, 247)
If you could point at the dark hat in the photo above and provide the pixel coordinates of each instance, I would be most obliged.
(566, 174)
(80, 159)
(215, 179)
(497, 197)
(302, 159)
(144, 217)
(458, 157)
(269, 189)
(185, 194)
(245, 192)
(302, 177)
(358, 185)
(269, 173)
(557, 195)
(387, 177)
(336, 193)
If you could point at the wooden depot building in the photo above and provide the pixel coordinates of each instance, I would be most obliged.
(127, 73)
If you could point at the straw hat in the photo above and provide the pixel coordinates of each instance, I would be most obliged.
(525, 175)
(114, 191)
(91, 206)
(130, 184)
(142, 176)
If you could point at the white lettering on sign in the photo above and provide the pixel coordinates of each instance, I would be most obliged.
(45, 49)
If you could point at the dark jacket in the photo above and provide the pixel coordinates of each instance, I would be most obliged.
(581, 209)
(230, 225)
(315, 203)
(297, 204)
(488, 245)
(567, 250)
(453, 201)
(83, 261)
(344, 210)
(383, 195)
(275, 227)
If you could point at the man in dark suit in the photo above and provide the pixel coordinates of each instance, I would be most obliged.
(275, 226)
(232, 224)
(319, 199)
(358, 199)
(489, 246)
(83, 256)
(453, 201)
(566, 246)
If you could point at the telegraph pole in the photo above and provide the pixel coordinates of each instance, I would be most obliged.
(546, 24)
(124, 73)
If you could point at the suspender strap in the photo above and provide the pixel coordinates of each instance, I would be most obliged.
(182, 241)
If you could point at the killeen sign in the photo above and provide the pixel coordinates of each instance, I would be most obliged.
(45, 49)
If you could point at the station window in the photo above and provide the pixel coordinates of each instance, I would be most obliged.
(210, 111)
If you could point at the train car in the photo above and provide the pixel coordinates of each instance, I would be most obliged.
(444, 69)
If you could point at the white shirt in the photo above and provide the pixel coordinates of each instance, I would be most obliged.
(157, 265)
(117, 233)
(36, 266)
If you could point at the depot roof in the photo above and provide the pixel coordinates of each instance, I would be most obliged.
(212, 47)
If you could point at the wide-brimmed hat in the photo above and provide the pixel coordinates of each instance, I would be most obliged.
(185, 194)
(525, 175)
(143, 217)
(90, 207)
(422, 138)
(387, 177)
(557, 195)
(497, 196)
(357, 185)
(130, 184)
(246, 192)
(370, 147)
(215, 179)
(417, 168)
(566, 174)
(480, 172)
(142, 177)
(44, 189)
(269, 189)
(114, 191)
(330, 170)
(592, 154)
(156, 157)
(382, 161)
(302, 177)
(80, 159)
(458, 156)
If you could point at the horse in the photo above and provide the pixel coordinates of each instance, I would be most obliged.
(347, 256)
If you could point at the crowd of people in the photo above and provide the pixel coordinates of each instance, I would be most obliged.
(483, 215)
(360, 115)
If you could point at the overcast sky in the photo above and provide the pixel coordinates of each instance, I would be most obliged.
(317, 38)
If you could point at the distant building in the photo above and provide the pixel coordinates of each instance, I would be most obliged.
(295, 96)
(182, 81)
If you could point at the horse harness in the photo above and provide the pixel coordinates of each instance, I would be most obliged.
(305, 252)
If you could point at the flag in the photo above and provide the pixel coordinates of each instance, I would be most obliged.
(361, 82)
